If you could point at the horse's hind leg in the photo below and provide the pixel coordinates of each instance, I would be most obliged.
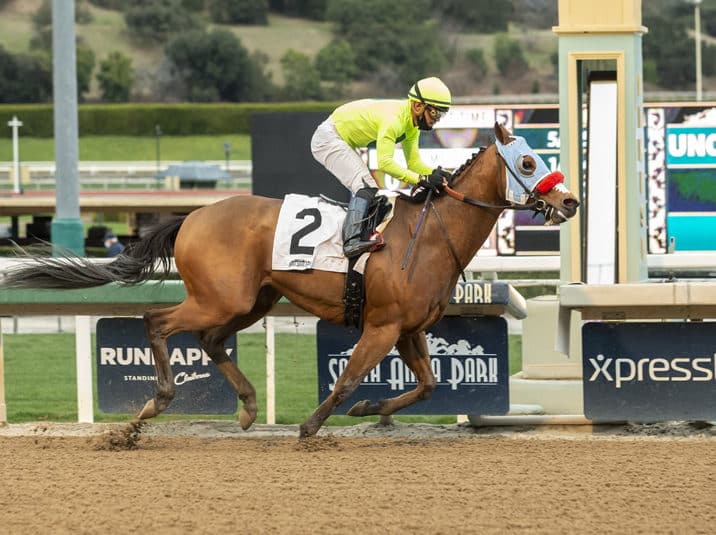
(413, 350)
(212, 340)
(155, 322)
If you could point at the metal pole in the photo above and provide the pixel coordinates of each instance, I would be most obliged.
(697, 39)
(67, 228)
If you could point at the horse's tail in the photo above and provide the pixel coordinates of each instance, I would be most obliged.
(137, 263)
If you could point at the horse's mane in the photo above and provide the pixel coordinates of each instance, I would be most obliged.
(475, 155)
(419, 197)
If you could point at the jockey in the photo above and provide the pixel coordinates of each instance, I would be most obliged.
(385, 122)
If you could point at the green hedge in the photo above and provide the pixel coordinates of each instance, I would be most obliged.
(140, 119)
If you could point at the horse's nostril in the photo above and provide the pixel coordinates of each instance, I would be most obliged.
(570, 203)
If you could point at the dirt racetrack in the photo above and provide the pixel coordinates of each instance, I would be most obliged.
(210, 477)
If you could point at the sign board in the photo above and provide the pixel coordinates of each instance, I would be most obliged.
(690, 146)
(469, 357)
(126, 377)
(647, 371)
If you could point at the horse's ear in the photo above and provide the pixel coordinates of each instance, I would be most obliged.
(501, 133)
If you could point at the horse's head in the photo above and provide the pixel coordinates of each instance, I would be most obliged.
(529, 182)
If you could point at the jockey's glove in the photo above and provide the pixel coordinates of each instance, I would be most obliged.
(435, 180)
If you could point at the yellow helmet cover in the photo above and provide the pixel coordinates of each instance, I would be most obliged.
(431, 91)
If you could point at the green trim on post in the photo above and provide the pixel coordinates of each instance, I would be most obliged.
(68, 234)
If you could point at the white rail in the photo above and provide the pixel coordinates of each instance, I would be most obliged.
(116, 175)
(681, 262)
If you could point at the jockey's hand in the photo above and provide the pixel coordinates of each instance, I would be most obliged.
(443, 172)
(435, 180)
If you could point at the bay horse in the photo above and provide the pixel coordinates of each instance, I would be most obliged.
(223, 254)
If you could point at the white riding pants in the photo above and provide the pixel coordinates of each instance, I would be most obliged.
(339, 158)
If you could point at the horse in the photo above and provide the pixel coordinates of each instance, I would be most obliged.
(223, 254)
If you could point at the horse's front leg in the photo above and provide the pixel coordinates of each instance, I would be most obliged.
(373, 345)
(413, 350)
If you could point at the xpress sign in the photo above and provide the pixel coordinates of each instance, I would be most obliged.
(126, 377)
(468, 356)
(649, 371)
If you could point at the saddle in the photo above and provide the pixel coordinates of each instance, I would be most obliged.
(354, 292)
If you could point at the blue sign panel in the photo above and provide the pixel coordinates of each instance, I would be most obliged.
(126, 377)
(469, 357)
(691, 146)
(649, 371)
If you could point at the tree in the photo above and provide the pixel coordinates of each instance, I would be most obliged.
(41, 42)
(42, 18)
(535, 13)
(239, 11)
(302, 79)
(310, 9)
(158, 20)
(336, 62)
(390, 35)
(672, 51)
(85, 61)
(509, 57)
(24, 78)
(115, 77)
(216, 66)
(477, 61)
(478, 16)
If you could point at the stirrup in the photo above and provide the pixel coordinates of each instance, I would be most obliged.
(357, 248)
(379, 241)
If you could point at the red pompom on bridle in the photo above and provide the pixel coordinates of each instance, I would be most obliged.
(549, 181)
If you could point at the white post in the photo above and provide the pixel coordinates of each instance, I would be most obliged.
(15, 125)
(83, 343)
(3, 407)
(270, 371)
(697, 39)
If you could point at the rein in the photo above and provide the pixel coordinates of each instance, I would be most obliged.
(536, 205)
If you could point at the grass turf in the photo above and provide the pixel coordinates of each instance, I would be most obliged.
(40, 379)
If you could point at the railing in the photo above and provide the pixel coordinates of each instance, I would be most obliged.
(118, 300)
(36, 176)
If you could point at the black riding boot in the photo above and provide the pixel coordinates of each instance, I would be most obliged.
(353, 224)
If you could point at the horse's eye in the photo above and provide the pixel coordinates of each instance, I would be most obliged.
(526, 165)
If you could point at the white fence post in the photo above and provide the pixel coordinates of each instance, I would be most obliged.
(83, 343)
(270, 371)
(3, 406)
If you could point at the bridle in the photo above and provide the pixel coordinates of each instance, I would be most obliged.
(534, 202)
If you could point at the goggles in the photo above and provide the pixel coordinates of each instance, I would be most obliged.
(435, 113)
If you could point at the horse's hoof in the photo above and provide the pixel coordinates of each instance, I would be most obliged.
(305, 431)
(148, 411)
(245, 419)
(359, 409)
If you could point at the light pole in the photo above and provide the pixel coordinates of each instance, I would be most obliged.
(697, 43)
(227, 153)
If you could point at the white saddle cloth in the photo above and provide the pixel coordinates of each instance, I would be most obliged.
(309, 236)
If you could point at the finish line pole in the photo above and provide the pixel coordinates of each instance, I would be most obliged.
(67, 228)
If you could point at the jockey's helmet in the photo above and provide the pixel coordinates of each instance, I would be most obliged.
(431, 91)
